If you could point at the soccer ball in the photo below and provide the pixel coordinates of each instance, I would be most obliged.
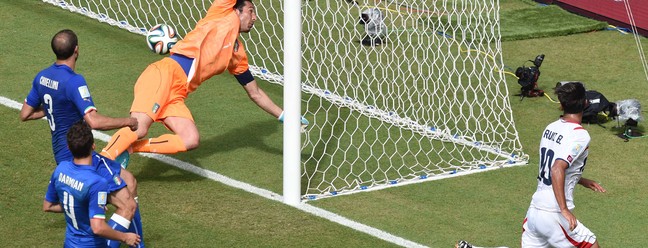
(161, 38)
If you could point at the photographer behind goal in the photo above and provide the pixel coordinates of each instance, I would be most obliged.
(375, 28)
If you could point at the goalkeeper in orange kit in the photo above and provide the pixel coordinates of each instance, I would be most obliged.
(212, 47)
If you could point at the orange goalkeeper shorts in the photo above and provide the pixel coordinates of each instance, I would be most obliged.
(160, 91)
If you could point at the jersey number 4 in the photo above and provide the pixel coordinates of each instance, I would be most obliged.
(68, 206)
(546, 160)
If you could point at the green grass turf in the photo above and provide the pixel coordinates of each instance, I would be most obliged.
(238, 140)
(547, 21)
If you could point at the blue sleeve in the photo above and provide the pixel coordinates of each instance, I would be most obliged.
(32, 98)
(244, 78)
(98, 195)
(110, 171)
(79, 94)
(51, 195)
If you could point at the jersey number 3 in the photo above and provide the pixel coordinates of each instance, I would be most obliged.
(50, 111)
(546, 160)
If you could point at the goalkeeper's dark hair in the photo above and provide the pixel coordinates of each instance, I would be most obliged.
(241, 3)
(571, 97)
(64, 43)
(80, 139)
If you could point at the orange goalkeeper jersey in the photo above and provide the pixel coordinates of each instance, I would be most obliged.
(214, 45)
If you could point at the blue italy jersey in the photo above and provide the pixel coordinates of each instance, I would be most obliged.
(83, 194)
(109, 170)
(65, 97)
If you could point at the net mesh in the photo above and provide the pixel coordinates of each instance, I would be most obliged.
(412, 92)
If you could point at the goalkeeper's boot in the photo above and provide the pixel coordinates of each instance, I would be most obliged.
(463, 244)
(123, 159)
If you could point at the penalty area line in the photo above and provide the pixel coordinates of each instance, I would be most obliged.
(325, 214)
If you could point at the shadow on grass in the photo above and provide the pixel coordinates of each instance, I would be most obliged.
(252, 135)
(625, 132)
(154, 170)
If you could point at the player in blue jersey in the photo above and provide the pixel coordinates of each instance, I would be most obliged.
(77, 190)
(62, 96)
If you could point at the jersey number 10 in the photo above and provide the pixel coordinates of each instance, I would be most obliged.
(546, 160)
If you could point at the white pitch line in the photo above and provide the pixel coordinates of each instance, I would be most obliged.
(255, 190)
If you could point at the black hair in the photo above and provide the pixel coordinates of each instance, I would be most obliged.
(240, 4)
(80, 139)
(64, 43)
(572, 97)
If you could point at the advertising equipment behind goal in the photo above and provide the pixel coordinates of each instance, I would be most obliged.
(528, 78)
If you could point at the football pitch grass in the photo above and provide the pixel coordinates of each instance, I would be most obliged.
(182, 209)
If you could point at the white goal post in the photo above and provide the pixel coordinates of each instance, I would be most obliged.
(413, 92)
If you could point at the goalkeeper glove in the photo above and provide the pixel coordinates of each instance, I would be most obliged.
(304, 122)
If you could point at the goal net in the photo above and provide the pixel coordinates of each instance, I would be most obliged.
(415, 91)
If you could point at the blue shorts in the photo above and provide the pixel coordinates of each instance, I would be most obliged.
(109, 170)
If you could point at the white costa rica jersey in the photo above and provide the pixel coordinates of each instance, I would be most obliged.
(566, 141)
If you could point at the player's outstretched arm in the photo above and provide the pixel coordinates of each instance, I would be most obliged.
(259, 97)
(591, 184)
(30, 113)
(52, 207)
(100, 228)
(100, 122)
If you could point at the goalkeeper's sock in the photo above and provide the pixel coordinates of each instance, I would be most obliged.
(119, 143)
(136, 225)
(165, 144)
(118, 223)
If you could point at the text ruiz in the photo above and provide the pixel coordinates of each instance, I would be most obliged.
(553, 136)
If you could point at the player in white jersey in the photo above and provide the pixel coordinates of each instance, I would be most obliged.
(563, 155)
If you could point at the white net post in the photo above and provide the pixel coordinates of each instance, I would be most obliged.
(429, 102)
(292, 103)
